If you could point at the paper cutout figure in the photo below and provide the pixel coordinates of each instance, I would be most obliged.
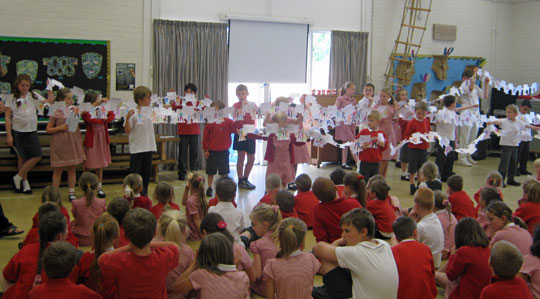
(28, 67)
(72, 123)
(91, 64)
(440, 66)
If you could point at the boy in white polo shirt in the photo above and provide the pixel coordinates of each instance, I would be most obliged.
(430, 230)
(142, 140)
(446, 128)
(225, 193)
(357, 256)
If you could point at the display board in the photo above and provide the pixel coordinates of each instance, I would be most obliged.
(81, 63)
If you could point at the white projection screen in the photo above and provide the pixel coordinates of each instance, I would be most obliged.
(267, 52)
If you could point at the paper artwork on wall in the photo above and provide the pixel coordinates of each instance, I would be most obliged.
(28, 67)
(60, 66)
(91, 64)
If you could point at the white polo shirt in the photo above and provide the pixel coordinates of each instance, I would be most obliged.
(430, 232)
(511, 132)
(446, 123)
(24, 117)
(142, 138)
(373, 269)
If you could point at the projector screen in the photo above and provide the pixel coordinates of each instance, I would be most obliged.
(267, 52)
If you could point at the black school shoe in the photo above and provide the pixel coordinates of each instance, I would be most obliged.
(209, 192)
(291, 186)
(525, 172)
(346, 167)
(513, 183)
(405, 177)
(101, 194)
(412, 189)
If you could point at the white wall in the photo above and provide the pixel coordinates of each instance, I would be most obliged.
(524, 46)
(119, 21)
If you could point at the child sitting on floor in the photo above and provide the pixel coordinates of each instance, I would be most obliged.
(505, 261)
(86, 209)
(442, 209)
(530, 271)
(355, 188)
(305, 201)
(487, 195)
(493, 180)
(428, 177)
(382, 211)
(414, 262)
(133, 186)
(345, 274)
(508, 228)
(118, 208)
(164, 195)
(462, 205)
(140, 268)
(273, 185)
(430, 229)
(226, 192)
(337, 176)
(214, 273)
(194, 199)
(285, 202)
(58, 261)
(327, 213)
(291, 262)
(529, 211)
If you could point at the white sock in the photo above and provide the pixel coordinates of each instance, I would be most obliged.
(25, 185)
(17, 179)
(99, 185)
(404, 173)
(71, 190)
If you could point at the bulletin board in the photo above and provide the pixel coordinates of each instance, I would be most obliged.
(81, 63)
(456, 66)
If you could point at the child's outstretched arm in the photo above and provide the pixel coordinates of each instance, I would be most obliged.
(466, 107)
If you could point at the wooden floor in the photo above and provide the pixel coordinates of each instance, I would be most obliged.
(20, 208)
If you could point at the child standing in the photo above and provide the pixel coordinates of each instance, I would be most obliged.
(404, 115)
(140, 268)
(505, 262)
(196, 206)
(305, 201)
(448, 221)
(511, 128)
(25, 269)
(142, 140)
(328, 212)
(414, 262)
(446, 127)
(172, 228)
(462, 205)
(430, 229)
(21, 129)
(133, 186)
(290, 262)
(86, 209)
(66, 148)
(216, 144)
(189, 139)
(266, 220)
(529, 211)
(526, 138)
(244, 147)
(105, 231)
(214, 223)
(344, 270)
(96, 140)
(530, 271)
(469, 266)
(355, 187)
(380, 208)
(58, 261)
(226, 192)
(507, 228)
(214, 273)
(278, 152)
(164, 195)
(345, 133)
(387, 109)
(417, 152)
(371, 154)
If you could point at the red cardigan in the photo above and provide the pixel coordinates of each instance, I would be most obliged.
(372, 155)
(471, 265)
(415, 126)
(88, 121)
(462, 205)
(326, 216)
(506, 288)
